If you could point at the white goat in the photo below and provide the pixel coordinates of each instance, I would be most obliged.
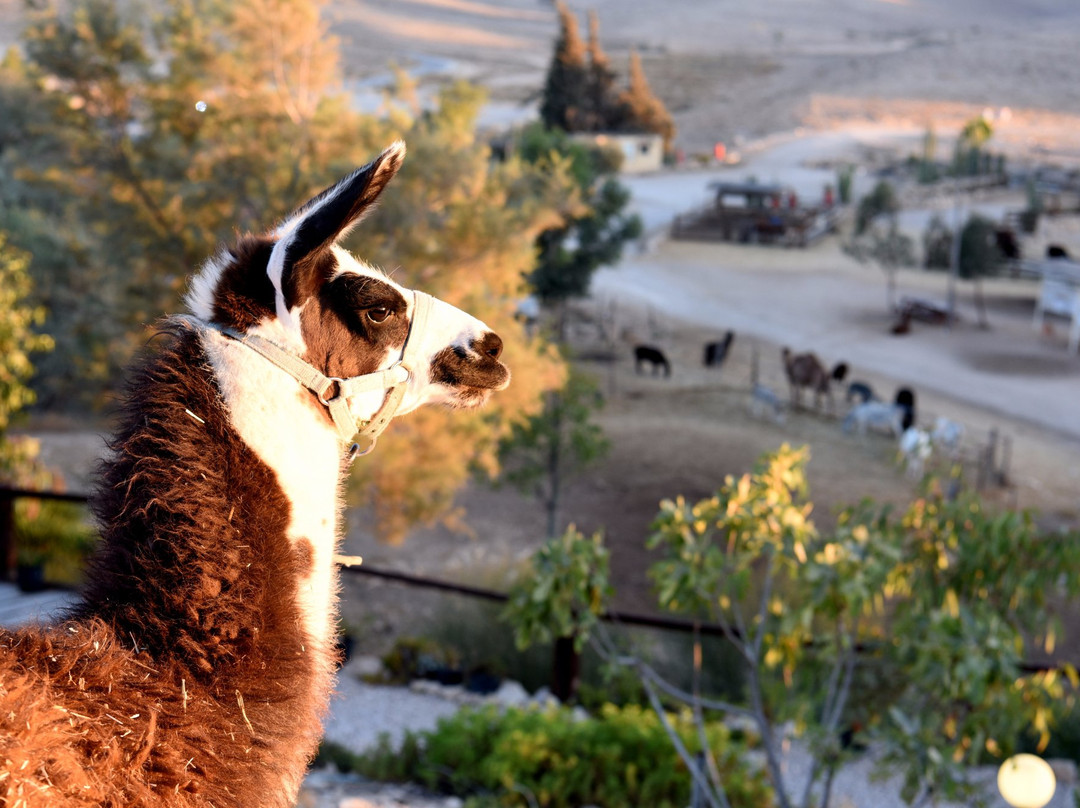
(877, 415)
(947, 434)
(916, 446)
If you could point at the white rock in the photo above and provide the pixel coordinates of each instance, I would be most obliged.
(511, 694)
(364, 667)
(545, 698)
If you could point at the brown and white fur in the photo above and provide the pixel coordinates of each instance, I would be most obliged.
(198, 664)
(806, 370)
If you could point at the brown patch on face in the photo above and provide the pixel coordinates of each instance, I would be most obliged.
(353, 323)
(244, 294)
(471, 374)
(303, 556)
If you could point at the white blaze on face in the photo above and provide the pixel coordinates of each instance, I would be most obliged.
(446, 326)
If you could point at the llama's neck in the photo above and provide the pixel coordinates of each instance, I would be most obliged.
(219, 512)
(287, 429)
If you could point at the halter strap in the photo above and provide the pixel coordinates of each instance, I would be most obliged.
(393, 379)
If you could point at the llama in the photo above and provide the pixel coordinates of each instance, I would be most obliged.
(716, 352)
(654, 357)
(197, 667)
(859, 393)
(905, 398)
(806, 370)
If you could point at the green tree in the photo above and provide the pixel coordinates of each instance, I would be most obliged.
(932, 597)
(139, 144)
(567, 86)
(542, 451)
(643, 111)
(882, 201)
(887, 247)
(19, 339)
(594, 232)
(928, 168)
(980, 257)
(565, 589)
(601, 109)
(937, 244)
(969, 157)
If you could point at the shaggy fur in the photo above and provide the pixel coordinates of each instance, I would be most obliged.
(179, 694)
(198, 666)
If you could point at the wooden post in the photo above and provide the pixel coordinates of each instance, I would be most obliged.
(7, 535)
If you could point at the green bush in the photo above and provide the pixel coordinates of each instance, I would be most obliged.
(56, 534)
(622, 757)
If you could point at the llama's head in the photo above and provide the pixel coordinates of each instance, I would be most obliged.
(296, 288)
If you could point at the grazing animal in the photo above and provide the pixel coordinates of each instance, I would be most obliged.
(716, 352)
(806, 370)
(875, 415)
(654, 357)
(916, 446)
(905, 398)
(947, 434)
(764, 400)
(197, 666)
(860, 393)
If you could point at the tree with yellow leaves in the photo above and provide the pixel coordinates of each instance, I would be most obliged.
(149, 140)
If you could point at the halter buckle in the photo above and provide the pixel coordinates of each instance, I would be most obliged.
(330, 382)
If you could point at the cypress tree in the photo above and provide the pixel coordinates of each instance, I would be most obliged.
(644, 111)
(566, 89)
(602, 110)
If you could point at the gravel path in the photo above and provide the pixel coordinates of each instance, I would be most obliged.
(360, 712)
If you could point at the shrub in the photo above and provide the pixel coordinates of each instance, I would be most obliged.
(55, 534)
(621, 757)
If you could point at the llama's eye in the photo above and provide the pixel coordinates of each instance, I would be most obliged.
(378, 314)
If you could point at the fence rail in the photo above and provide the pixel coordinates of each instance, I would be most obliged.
(8, 548)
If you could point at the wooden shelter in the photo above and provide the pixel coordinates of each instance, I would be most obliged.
(753, 213)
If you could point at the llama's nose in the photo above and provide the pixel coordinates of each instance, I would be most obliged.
(489, 345)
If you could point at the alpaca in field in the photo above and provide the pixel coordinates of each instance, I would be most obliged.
(806, 370)
(716, 352)
(654, 357)
(860, 393)
(197, 667)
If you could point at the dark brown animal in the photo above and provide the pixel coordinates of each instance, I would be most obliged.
(716, 352)
(806, 370)
(198, 664)
(654, 357)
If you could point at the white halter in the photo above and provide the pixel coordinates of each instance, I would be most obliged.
(393, 379)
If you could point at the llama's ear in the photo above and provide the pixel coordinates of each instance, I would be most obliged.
(326, 218)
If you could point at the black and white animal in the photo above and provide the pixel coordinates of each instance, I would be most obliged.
(905, 398)
(653, 357)
(860, 393)
(875, 415)
(198, 664)
(916, 447)
(716, 352)
(806, 370)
